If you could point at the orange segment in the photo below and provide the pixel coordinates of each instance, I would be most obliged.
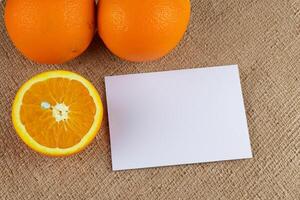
(57, 113)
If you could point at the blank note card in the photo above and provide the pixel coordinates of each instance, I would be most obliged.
(176, 117)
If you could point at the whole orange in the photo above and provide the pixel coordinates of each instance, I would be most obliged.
(144, 30)
(50, 31)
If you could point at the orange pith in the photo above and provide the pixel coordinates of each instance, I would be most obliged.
(57, 112)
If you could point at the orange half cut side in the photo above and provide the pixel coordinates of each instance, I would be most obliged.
(57, 113)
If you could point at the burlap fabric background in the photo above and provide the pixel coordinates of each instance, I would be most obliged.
(262, 37)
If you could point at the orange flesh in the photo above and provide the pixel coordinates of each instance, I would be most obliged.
(57, 112)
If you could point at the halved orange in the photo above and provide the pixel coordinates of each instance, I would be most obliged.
(57, 113)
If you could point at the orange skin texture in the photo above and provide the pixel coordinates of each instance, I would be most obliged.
(145, 30)
(50, 31)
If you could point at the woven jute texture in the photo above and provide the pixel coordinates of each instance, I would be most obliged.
(262, 37)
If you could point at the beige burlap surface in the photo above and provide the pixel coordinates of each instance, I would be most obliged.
(262, 37)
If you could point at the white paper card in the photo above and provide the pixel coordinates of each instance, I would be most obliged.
(176, 117)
